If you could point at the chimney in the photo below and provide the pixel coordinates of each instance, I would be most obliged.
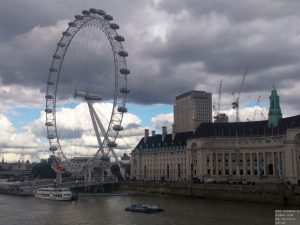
(146, 135)
(153, 133)
(164, 133)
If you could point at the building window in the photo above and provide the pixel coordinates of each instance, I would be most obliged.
(241, 172)
(234, 172)
(178, 170)
(248, 172)
(220, 172)
(208, 171)
(255, 172)
(168, 171)
(226, 172)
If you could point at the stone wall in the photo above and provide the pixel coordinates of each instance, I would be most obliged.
(261, 193)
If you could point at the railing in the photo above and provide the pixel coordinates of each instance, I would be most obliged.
(70, 182)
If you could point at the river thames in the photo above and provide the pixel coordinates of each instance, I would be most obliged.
(109, 210)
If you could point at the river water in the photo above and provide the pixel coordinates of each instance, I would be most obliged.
(109, 210)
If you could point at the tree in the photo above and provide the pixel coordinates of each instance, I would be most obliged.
(115, 170)
(43, 171)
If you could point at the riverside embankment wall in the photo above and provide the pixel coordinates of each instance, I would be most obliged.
(259, 193)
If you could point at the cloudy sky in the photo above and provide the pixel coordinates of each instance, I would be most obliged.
(174, 46)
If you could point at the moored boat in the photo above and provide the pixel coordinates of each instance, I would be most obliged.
(51, 193)
(144, 208)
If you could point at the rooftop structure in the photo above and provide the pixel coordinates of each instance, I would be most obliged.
(191, 109)
(274, 111)
(247, 129)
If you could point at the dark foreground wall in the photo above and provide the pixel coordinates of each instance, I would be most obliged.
(260, 193)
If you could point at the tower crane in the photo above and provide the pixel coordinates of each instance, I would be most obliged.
(263, 116)
(219, 98)
(235, 103)
(217, 107)
(257, 105)
(220, 117)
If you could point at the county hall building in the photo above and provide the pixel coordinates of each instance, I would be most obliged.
(256, 151)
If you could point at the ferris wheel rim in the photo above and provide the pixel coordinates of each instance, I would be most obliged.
(120, 72)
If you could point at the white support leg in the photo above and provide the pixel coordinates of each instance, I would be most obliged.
(92, 113)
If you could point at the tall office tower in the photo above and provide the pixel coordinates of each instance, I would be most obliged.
(191, 109)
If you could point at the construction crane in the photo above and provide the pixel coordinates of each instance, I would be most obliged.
(263, 116)
(219, 98)
(257, 105)
(235, 104)
(217, 108)
(220, 117)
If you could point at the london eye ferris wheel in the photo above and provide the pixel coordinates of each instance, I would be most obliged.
(86, 91)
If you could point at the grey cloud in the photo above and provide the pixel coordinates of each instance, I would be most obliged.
(206, 41)
(243, 10)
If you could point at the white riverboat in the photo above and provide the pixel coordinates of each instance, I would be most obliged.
(51, 193)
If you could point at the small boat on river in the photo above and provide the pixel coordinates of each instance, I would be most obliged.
(143, 208)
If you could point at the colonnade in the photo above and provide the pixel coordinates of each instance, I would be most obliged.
(242, 163)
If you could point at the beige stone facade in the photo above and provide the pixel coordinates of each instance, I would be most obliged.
(239, 152)
(253, 159)
(246, 159)
(160, 157)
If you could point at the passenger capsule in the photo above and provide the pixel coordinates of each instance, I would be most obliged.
(60, 44)
(50, 83)
(49, 97)
(114, 26)
(108, 17)
(49, 124)
(93, 10)
(79, 17)
(117, 127)
(123, 53)
(72, 24)
(105, 158)
(119, 38)
(51, 136)
(124, 71)
(53, 70)
(66, 33)
(122, 109)
(49, 110)
(112, 144)
(124, 90)
(101, 12)
(53, 148)
(56, 57)
(85, 12)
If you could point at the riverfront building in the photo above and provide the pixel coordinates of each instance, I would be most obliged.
(191, 109)
(257, 151)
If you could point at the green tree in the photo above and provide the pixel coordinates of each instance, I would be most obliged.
(43, 171)
(115, 170)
